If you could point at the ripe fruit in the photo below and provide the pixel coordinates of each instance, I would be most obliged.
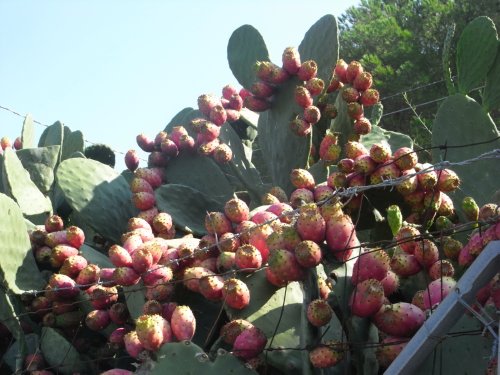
(249, 343)
(326, 355)
(153, 331)
(319, 312)
(367, 298)
(399, 319)
(183, 323)
(236, 294)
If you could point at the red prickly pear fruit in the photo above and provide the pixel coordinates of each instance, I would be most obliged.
(118, 313)
(192, 275)
(34, 362)
(206, 102)
(143, 201)
(64, 286)
(341, 70)
(256, 104)
(258, 238)
(187, 143)
(88, 276)
(350, 94)
(208, 148)
(125, 276)
(145, 143)
(160, 137)
(158, 159)
(262, 89)
(312, 114)
(133, 345)
(131, 241)
(310, 224)
(228, 91)
(249, 343)
(404, 264)
(355, 110)
(54, 223)
(405, 158)
(322, 193)
(168, 309)
(364, 164)
(302, 178)
(60, 253)
(236, 294)
(308, 70)
(291, 60)
(389, 349)
(380, 152)
(371, 264)
(353, 70)
(427, 180)
(228, 242)
(56, 238)
(231, 330)
(151, 175)
(217, 223)
(223, 154)
(119, 256)
(218, 115)
(329, 150)
(441, 268)
(157, 273)
(138, 185)
(390, 283)
(369, 97)
(116, 338)
(437, 290)
(169, 148)
(334, 84)
(327, 355)
(152, 307)
(308, 254)
(300, 197)
(354, 149)
(363, 81)
(315, 86)
(341, 237)
(225, 261)
(319, 312)
(209, 131)
(18, 144)
(106, 276)
(263, 70)
(102, 297)
(406, 237)
(448, 180)
(247, 256)
(399, 319)
(75, 236)
(162, 222)
(274, 280)
(132, 160)
(211, 287)
(73, 265)
(244, 230)
(97, 320)
(236, 210)
(142, 259)
(278, 75)
(426, 252)
(153, 331)
(183, 323)
(285, 266)
(303, 97)
(367, 298)
(235, 103)
(244, 93)
(300, 127)
(362, 126)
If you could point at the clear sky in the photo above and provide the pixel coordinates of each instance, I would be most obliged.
(114, 69)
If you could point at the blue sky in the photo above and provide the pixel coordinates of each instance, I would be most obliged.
(114, 69)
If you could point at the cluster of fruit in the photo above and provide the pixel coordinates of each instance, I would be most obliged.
(6, 143)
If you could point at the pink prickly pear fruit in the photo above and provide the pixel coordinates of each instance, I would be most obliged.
(131, 242)
(441, 268)
(236, 210)
(410, 184)
(273, 279)
(380, 152)
(354, 149)
(168, 309)
(329, 150)
(262, 89)
(308, 70)
(235, 104)
(303, 97)
(157, 273)
(158, 159)
(169, 148)
(448, 180)
(291, 60)
(371, 264)
(56, 238)
(54, 223)
(132, 160)
(312, 114)
(192, 276)
(160, 137)
(327, 355)
(386, 171)
(334, 84)
(208, 148)
(406, 237)
(258, 238)
(75, 236)
(426, 252)
(152, 175)
(18, 143)
(341, 70)
(222, 154)
(488, 211)
(156, 246)
(369, 97)
(228, 91)
(228, 242)
(116, 338)
(363, 81)
(126, 276)
(405, 158)
(206, 102)
(138, 223)
(152, 307)
(97, 320)
(162, 222)
(310, 224)
(308, 254)
(367, 298)
(390, 283)
(315, 86)
(153, 331)
(353, 70)
(319, 312)
(217, 223)
(119, 256)
(73, 265)
(88, 276)
(141, 260)
(34, 362)
(211, 287)
(302, 179)
(399, 319)
(133, 345)
(233, 114)
(218, 115)
(300, 127)
(256, 104)
(337, 180)
(145, 143)
(362, 126)
(60, 253)
(355, 110)
(299, 197)
(437, 291)
(183, 323)
(389, 349)
(249, 343)
(285, 266)
(248, 256)
(118, 313)
(341, 237)
(322, 193)
(231, 330)
(364, 164)
(138, 185)
(225, 261)
(64, 286)
(404, 264)
(350, 94)
(236, 294)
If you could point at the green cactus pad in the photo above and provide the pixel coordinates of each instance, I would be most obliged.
(18, 266)
(283, 150)
(342, 124)
(14, 357)
(18, 185)
(28, 132)
(135, 298)
(461, 121)
(8, 316)
(96, 257)
(245, 47)
(52, 135)
(193, 360)
(320, 171)
(396, 140)
(200, 173)
(374, 113)
(321, 44)
(59, 353)
(186, 205)
(491, 94)
(40, 162)
(73, 142)
(474, 59)
(181, 118)
(99, 194)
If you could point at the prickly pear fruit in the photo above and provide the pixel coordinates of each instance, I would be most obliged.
(183, 323)
(399, 319)
(367, 298)
(319, 312)
(236, 294)
(249, 343)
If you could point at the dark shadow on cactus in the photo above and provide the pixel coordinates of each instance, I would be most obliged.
(102, 153)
